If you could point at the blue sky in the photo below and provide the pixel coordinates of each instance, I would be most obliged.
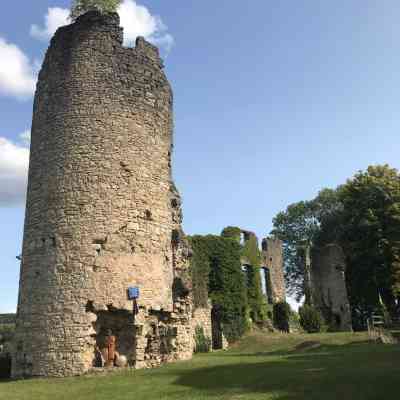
(273, 101)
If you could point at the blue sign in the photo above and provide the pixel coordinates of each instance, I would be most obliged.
(133, 293)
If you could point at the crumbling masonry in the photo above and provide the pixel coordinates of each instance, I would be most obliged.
(103, 214)
(328, 286)
(272, 263)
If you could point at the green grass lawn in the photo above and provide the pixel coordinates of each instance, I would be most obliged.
(286, 367)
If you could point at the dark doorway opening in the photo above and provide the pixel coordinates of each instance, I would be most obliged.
(121, 324)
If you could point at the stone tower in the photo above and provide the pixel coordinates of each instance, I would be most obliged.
(328, 286)
(272, 256)
(102, 214)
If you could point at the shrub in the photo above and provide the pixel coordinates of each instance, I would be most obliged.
(294, 322)
(311, 319)
(281, 314)
(80, 7)
(202, 342)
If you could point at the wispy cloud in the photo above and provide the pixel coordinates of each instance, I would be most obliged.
(14, 161)
(138, 21)
(54, 18)
(25, 137)
(17, 73)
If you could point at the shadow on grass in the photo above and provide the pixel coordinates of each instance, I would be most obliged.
(338, 372)
(302, 348)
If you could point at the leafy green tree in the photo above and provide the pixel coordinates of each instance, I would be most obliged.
(299, 227)
(80, 7)
(370, 237)
(363, 216)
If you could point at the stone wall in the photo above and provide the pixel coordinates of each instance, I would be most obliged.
(102, 212)
(272, 256)
(328, 286)
(202, 318)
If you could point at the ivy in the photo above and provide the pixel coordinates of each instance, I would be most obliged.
(216, 266)
(251, 256)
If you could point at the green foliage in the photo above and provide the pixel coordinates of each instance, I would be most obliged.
(226, 287)
(252, 256)
(281, 314)
(80, 7)
(300, 226)
(202, 342)
(363, 216)
(200, 270)
(232, 232)
(370, 236)
(294, 322)
(310, 319)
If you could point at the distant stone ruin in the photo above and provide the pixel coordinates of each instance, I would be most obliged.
(104, 265)
(328, 286)
(272, 269)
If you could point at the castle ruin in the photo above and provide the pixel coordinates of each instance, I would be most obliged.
(328, 286)
(272, 269)
(104, 254)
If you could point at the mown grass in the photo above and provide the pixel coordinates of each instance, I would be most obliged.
(285, 367)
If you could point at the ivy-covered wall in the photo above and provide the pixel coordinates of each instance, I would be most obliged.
(216, 266)
(250, 256)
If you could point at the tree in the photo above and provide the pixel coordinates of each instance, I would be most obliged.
(363, 217)
(80, 7)
(299, 227)
(370, 237)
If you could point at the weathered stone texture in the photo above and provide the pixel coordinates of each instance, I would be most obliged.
(102, 211)
(328, 286)
(202, 318)
(272, 255)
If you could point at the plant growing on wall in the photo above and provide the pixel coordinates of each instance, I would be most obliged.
(202, 342)
(80, 7)
(250, 252)
(216, 266)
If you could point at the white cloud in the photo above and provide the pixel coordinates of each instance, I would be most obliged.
(138, 21)
(54, 18)
(25, 137)
(14, 161)
(17, 74)
(135, 19)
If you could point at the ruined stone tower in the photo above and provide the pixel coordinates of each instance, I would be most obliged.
(328, 286)
(103, 214)
(272, 256)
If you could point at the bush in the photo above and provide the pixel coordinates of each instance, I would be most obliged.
(202, 342)
(80, 7)
(311, 319)
(281, 314)
(294, 322)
